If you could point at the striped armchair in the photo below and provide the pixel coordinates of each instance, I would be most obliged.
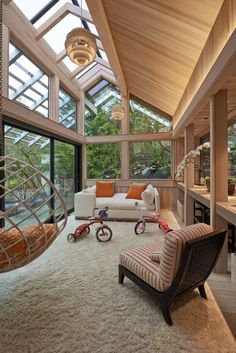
(185, 261)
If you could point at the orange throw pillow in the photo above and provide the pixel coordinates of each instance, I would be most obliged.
(105, 189)
(135, 191)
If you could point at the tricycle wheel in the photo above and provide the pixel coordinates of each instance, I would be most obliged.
(139, 227)
(71, 238)
(160, 227)
(88, 230)
(104, 233)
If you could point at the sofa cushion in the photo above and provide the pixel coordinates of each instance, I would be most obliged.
(135, 191)
(105, 188)
(118, 202)
(148, 195)
(90, 190)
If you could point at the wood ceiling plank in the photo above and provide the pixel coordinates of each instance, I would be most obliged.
(158, 44)
(98, 14)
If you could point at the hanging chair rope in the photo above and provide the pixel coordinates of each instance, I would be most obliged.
(29, 203)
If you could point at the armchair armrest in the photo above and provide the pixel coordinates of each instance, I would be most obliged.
(84, 204)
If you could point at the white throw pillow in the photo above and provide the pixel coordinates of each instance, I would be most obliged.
(91, 190)
(148, 195)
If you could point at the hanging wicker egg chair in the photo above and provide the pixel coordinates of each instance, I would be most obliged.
(32, 213)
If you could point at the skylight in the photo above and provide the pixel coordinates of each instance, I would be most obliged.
(50, 12)
(57, 36)
(30, 8)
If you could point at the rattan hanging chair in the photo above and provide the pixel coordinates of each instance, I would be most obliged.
(32, 213)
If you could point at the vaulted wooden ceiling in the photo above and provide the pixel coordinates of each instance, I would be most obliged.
(158, 43)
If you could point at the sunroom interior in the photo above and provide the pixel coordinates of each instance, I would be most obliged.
(170, 65)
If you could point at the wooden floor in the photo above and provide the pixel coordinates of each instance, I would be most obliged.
(225, 295)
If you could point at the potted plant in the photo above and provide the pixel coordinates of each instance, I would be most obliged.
(231, 184)
(207, 181)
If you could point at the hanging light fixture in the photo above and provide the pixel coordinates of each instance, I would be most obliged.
(81, 46)
(118, 112)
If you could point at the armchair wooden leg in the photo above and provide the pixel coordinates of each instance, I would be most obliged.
(166, 313)
(202, 291)
(121, 275)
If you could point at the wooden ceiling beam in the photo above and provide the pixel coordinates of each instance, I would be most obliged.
(100, 61)
(100, 20)
(59, 15)
(100, 74)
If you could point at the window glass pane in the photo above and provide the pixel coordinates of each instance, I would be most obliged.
(205, 158)
(30, 8)
(70, 65)
(35, 150)
(103, 161)
(232, 150)
(99, 101)
(56, 37)
(67, 111)
(65, 172)
(50, 12)
(150, 160)
(28, 84)
(144, 119)
(104, 55)
(86, 70)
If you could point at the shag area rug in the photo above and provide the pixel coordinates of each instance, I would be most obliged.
(69, 301)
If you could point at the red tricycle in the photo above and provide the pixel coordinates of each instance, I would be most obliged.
(103, 232)
(141, 224)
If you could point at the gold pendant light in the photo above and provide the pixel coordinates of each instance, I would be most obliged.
(81, 46)
(118, 112)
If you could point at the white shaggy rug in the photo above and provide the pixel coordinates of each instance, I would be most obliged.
(69, 301)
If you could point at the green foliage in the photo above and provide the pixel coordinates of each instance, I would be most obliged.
(64, 160)
(150, 160)
(103, 160)
(142, 123)
(101, 124)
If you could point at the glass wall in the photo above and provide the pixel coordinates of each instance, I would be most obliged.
(205, 154)
(232, 150)
(64, 171)
(150, 160)
(145, 119)
(35, 149)
(103, 161)
(98, 103)
(28, 84)
(67, 110)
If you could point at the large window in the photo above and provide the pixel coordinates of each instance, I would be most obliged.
(28, 84)
(145, 119)
(205, 154)
(64, 171)
(104, 161)
(232, 150)
(36, 150)
(150, 160)
(67, 110)
(98, 103)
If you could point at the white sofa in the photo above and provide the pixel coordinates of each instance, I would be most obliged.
(119, 207)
